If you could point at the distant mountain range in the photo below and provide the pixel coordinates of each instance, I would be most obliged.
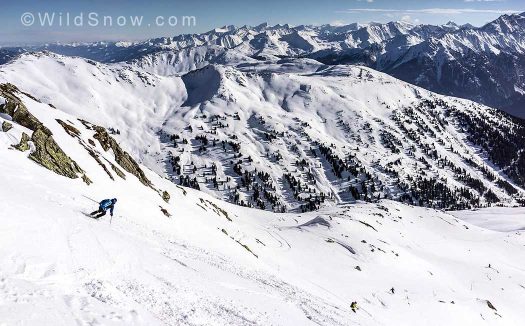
(484, 64)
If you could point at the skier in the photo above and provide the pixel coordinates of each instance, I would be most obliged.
(353, 306)
(104, 206)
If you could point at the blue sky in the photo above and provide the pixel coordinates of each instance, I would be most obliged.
(210, 14)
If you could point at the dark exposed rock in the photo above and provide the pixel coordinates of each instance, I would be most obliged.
(166, 196)
(86, 179)
(165, 211)
(184, 192)
(121, 157)
(216, 209)
(18, 111)
(23, 145)
(103, 138)
(117, 170)
(72, 131)
(6, 126)
(316, 221)
(75, 133)
(88, 125)
(48, 154)
(99, 161)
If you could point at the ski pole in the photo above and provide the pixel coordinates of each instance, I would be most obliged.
(90, 199)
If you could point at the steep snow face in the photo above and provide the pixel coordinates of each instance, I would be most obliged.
(133, 102)
(507, 24)
(506, 33)
(214, 263)
(292, 134)
(327, 133)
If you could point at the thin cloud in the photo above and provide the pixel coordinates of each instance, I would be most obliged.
(432, 11)
(338, 22)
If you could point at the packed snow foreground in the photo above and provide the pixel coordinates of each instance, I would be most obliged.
(191, 259)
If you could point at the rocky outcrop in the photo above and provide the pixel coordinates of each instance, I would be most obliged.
(75, 133)
(17, 110)
(24, 143)
(72, 131)
(121, 157)
(117, 170)
(164, 211)
(166, 196)
(6, 126)
(47, 152)
(86, 179)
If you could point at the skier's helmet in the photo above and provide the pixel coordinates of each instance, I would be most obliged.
(114, 200)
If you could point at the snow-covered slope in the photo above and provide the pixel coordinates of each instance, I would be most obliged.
(484, 64)
(292, 134)
(214, 263)
(133, 102)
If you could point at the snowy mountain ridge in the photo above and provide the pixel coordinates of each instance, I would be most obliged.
(292, 135)
(285, 40)
(483, 64)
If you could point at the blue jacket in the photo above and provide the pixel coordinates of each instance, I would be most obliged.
(107, 204)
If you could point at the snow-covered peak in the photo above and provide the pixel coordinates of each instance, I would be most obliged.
(507, 24)
(467, 26)
(224, 29)
(451, 26)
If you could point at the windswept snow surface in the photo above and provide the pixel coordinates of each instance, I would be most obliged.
(213, 263)
(504, 219)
